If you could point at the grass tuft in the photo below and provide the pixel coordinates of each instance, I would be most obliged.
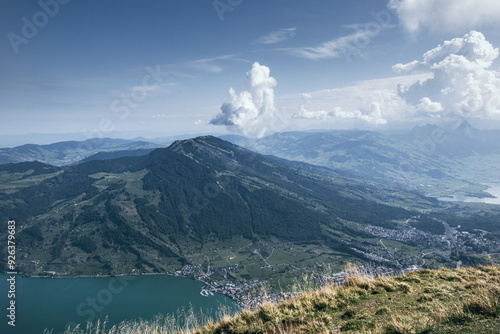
(442, 301)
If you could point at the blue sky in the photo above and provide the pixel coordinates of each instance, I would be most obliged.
(86, 68)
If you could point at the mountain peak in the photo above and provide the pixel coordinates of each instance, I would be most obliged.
(466, 129)
(209, 151)
(201, 143)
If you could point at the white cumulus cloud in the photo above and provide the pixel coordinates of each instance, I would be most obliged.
(455, 79)
(463, 83)
(304, 112)
(252, 111)
(367, 103)
(428, 106)
(446, 15)
(370, 113)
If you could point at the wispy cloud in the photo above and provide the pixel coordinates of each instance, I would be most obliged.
(188, 69)
(209, 64)
(340, 47)
(276, 36)
(348, 45)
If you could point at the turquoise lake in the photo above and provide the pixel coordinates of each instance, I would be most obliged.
(55, 303)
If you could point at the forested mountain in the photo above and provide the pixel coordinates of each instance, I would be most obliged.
(159, 211)
(118, 154)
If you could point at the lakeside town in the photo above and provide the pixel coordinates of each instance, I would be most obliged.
(381, 259)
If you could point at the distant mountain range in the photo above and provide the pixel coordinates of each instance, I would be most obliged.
(435, 160)
(70, 152)
(429, 158)
(463, 141)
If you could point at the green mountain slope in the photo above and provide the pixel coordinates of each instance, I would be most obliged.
(118, 154)
(169, 208)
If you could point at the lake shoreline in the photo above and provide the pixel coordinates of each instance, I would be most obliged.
(233, 296)
(493, 190)
(126, 297)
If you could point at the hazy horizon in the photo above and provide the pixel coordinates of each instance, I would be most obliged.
(8, 141)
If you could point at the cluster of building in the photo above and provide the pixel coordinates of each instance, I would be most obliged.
(404, 233)
(453, 241)
(384, 261)
(189, 270)
(235, 290)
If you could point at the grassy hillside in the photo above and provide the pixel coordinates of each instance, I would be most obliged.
(465, 300)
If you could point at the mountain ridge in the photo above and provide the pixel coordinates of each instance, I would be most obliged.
(69, 152)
